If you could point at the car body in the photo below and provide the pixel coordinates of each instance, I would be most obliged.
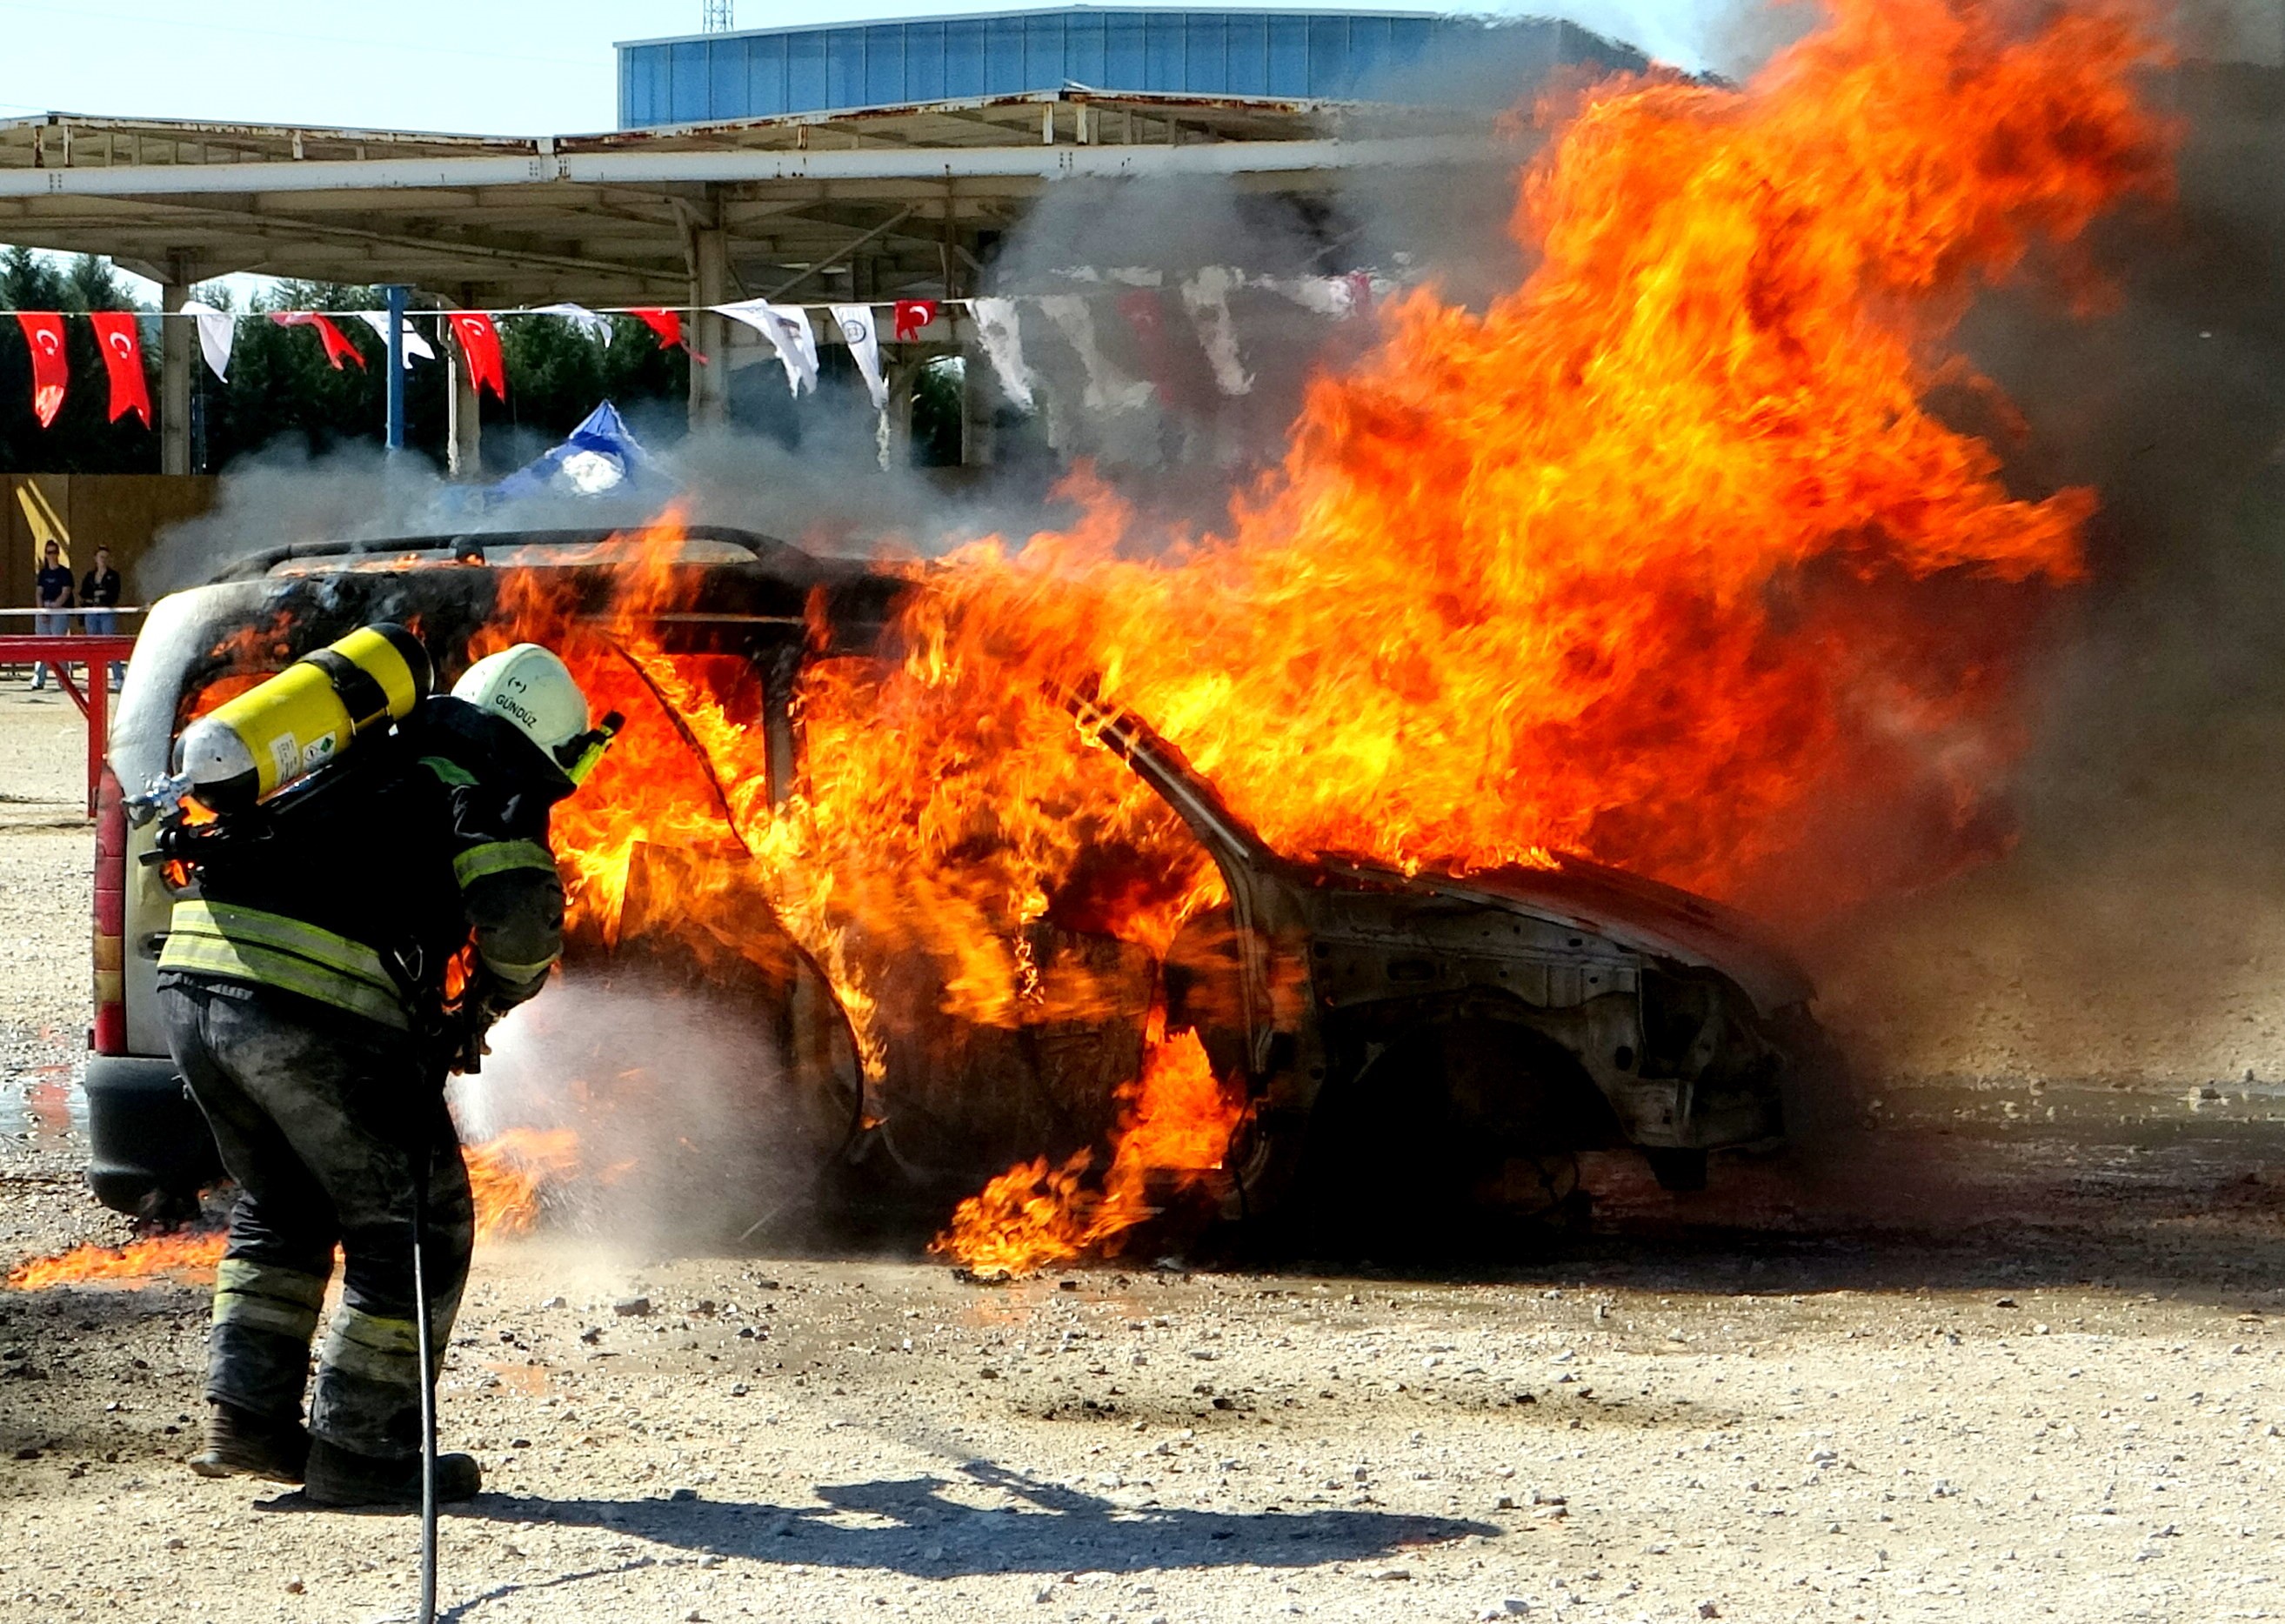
(1409, 1043)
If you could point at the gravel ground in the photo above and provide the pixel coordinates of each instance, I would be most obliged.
(2004, 1351)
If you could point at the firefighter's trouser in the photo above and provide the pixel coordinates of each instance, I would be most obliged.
(317, 1114)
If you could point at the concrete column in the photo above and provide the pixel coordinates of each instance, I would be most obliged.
(178, 348)
(710, 285)
(463, 429)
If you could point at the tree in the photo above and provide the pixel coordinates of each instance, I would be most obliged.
(557, 375)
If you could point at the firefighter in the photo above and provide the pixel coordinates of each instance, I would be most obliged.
(310, 1005)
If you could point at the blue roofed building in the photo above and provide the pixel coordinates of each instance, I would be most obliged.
(1273, 55)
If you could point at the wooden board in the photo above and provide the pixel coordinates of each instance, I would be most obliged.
(124, 512)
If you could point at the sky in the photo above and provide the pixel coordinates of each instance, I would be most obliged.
(479, 67)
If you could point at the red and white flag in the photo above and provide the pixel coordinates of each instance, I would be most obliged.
(667, 324)
(121, 334)
(338, 348)
(480, 343)
(912, 316)
(44, 331)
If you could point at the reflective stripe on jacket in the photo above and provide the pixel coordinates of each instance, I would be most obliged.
(240, 944)
(499, 857)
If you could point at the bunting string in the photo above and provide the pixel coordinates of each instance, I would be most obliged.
(996, 324)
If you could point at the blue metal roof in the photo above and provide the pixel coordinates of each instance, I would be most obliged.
(1276, 54)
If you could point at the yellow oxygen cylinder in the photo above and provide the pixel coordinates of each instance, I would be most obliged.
(283, 730)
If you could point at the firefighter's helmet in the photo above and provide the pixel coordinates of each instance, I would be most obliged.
(528, 687)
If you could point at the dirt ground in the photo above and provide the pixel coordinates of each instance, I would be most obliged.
(2008, 1349)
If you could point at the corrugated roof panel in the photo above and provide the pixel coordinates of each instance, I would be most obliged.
(846, 67)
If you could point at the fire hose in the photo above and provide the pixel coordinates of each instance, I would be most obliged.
(426, 1352)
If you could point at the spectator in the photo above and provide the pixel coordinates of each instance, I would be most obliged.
(98, 602)
(51, 595)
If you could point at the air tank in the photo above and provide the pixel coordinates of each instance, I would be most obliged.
(281, 731)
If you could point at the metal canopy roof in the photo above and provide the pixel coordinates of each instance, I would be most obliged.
(883, 202)
(1170, 50)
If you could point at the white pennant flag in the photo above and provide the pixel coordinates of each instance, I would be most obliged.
(415, 344)
(216, 331)
(996, 326)
(787, 327)
(1106, 390)
(588, 322)
(863, 338)
(1207, 297)
(1326, 296)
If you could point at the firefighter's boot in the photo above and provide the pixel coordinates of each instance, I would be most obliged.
(337, 1476)
(240, 1443)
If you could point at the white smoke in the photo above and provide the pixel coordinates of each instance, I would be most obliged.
(684, 1126)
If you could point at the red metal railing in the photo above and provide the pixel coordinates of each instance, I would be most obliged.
(58, 654)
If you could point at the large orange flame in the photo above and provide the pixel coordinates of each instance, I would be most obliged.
(1032, 1217)
(1663, 558)
(189, 1256)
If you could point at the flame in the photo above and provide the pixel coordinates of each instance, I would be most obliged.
(1032, 1217)
(505, 1176)
(189, 1256)
(505, 1173)
(1661, 558)
(243, 659)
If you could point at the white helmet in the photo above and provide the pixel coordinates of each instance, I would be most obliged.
(529, 687)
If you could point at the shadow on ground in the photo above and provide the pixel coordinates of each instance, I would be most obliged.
(910, 1526)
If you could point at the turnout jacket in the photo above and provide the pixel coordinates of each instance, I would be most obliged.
(357, 887)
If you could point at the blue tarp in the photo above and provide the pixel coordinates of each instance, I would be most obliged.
(602, 456)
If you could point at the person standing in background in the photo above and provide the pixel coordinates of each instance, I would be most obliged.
(98, 601)
(51, 596)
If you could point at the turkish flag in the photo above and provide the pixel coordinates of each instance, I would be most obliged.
(912, 316)
(480, 343)
(338, 348)
(666, 324)
(44, 331)
(121, 334)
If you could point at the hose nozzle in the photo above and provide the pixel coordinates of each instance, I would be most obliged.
(579, 756)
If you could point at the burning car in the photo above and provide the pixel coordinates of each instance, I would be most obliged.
(1311, 1045)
